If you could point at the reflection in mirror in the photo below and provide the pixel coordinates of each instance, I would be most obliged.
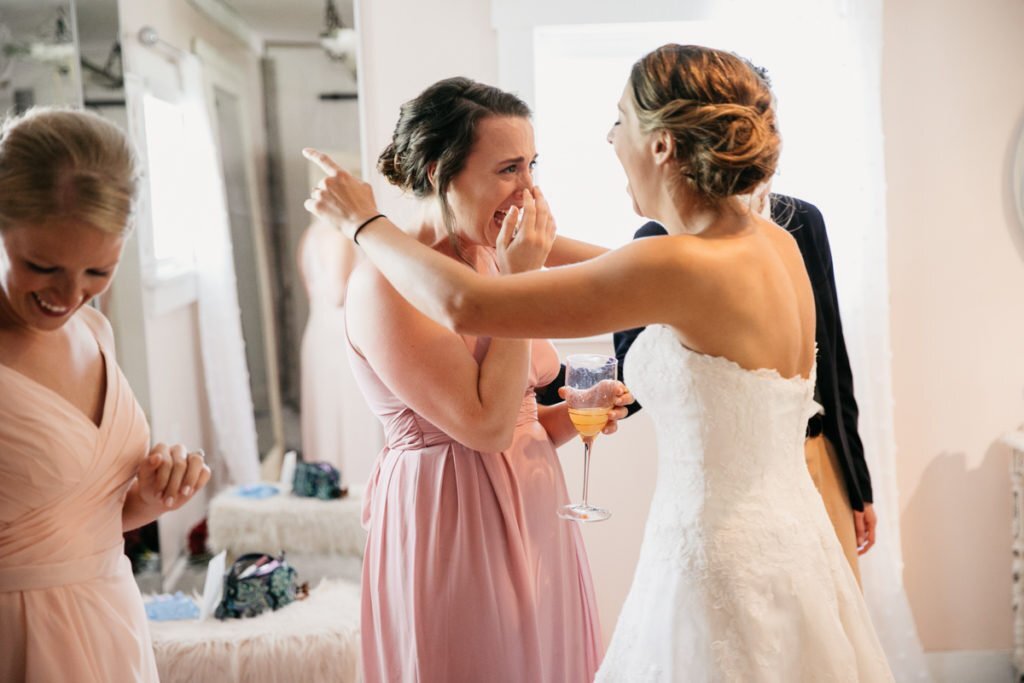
(38, 60)
(250, 276)
(99, 48)
(285, 80)
(310, 99)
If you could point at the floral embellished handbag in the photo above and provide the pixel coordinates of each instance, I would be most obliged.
(317, 480)
(258, 582)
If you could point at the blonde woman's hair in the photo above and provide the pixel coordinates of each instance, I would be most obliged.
(60, 164)
(717, 109)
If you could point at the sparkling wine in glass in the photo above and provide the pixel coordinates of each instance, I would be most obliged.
(591, 386)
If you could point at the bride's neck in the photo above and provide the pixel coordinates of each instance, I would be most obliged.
(687, 213)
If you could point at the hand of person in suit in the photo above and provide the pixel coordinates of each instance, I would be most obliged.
(866, 522)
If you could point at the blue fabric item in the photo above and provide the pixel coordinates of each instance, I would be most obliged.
(171, 607)
(257, 491)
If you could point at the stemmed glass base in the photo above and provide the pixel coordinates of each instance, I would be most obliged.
(580, 512)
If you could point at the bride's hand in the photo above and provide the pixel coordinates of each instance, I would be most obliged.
(526, 235)
(340, 199)
(623, 397)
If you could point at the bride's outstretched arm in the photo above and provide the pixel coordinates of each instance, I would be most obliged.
(639, 284)
(566, 250)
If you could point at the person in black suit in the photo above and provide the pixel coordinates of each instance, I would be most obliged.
(834, 452)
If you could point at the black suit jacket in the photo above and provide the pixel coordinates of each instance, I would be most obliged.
(834, 389)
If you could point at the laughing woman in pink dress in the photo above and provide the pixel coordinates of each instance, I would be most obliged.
(469, 575)
(75, 465)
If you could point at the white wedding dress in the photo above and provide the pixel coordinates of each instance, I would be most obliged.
(741, 576)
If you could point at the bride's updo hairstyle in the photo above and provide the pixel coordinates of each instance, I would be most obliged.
(718, 110)
(438, 128)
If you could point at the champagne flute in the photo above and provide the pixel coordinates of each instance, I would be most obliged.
(590, 381)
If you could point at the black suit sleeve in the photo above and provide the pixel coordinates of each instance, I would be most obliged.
(850, 413)
(548, 395)
(623, 340)
(834, 387)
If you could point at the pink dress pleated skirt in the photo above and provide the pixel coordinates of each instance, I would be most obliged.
(469, 575)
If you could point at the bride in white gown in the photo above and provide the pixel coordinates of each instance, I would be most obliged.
(741, 577)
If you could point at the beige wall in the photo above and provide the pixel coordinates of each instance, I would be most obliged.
(435, 39)
(953, 99)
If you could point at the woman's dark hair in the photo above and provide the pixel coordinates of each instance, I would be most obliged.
(717, 108)
(436, 132)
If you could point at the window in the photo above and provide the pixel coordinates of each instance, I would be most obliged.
(579, 74)
(167, 166)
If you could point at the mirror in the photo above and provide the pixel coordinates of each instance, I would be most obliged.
(38, 56)
(250, 273)
(270, 84)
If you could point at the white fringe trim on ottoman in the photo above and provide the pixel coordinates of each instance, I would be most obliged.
(313, 640)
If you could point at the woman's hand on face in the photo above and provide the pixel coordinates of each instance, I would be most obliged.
(526, 235)
(340, 198)
(169, 476)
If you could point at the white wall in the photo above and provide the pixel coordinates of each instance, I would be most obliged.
(953, 103)
(435, 39)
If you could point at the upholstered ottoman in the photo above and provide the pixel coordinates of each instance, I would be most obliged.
(322, 538)
(311, 640)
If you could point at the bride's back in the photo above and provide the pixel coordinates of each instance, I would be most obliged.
(758, 305)
(697, 137)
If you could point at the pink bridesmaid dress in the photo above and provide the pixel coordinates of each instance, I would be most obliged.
(69, 607)
(469, 575)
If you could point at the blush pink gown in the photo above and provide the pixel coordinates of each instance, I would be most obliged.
(69, 607)
(469, 575)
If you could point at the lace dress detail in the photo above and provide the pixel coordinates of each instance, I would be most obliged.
(740, 576)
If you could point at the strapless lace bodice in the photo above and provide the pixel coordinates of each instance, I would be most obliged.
(740, 577)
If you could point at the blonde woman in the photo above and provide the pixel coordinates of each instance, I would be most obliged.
(76, 469)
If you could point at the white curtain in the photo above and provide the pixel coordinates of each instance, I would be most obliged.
(847, 183)
(222, 347)
(864, 299)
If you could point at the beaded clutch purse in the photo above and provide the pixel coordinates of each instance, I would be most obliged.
(258, 582)
(317, 480)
